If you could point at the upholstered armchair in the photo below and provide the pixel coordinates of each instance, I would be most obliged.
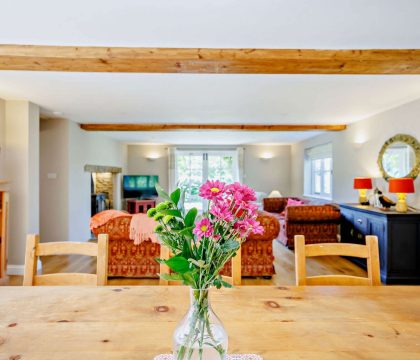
(124, 258)
(318, 223)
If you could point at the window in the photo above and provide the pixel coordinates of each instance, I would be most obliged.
(192, 168)
(318, 171)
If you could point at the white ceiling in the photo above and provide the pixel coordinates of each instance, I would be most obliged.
(213, 23)
(187, 98)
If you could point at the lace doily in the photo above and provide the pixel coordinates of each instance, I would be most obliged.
(229, 357)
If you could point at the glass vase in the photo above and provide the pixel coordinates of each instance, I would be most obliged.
(200, 335)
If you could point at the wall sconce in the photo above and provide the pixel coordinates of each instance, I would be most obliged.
(153, 156)
(266, 156)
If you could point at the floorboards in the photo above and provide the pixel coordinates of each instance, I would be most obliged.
(284, 265)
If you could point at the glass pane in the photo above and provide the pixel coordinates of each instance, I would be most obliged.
(327, 164)
(189, 170)
(317, 183)
(317, 164)
(327, 182)
(221, 168)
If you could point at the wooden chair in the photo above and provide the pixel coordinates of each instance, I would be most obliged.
(235, 279)
(34, 249)
(369, 252)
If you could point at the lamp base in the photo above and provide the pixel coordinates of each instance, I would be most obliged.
(402, 203)
(363, 200)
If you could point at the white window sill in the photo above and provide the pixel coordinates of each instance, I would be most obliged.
(318, 197)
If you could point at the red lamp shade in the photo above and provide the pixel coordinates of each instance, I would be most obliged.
(401, 185)
(362, 183)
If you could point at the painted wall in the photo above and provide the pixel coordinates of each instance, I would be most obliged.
(356, 149)
(22, 169)
(262, 175)
(86, 148)
(54, 180)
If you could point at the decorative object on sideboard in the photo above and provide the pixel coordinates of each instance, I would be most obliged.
(363, 184)
(401, 187)
(275, 194)
(384, 201)
(400, 157)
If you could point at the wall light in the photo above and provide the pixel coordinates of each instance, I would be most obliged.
(153, 156)
(266, 156)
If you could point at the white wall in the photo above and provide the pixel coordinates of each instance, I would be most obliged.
(267, 174)
(2, 138)
(262, 175)
(355, 151)
(22, 169)
(54, 160)
(86, 148)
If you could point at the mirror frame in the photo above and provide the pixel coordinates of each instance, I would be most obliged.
(409, 140)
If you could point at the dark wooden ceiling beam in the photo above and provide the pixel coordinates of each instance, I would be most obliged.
(211, 127)
(209, 61)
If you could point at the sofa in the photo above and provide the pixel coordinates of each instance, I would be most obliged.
(128, 260)
(319, 223)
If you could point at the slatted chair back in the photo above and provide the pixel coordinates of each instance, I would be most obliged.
(369, 252)
(34, 249)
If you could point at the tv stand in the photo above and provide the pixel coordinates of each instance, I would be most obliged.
(135, 206)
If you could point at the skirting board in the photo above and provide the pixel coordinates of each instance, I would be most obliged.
(20, 269)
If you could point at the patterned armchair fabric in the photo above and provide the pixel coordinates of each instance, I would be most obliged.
(319, 223)
(257, 251)
(124, 258)
(128, 260)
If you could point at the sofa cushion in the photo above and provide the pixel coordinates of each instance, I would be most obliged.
(293, 202)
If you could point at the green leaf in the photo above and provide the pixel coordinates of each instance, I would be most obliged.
(188, 278)
(187, 232)
(186, 249)
(230, 245)
(190, 217)
(171, 277)
(178, 264)
(175, 196)
(173, 212)
(161, 192)
(226, 284)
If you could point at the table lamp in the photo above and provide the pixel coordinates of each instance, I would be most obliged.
(401, 186)
(275, 194)
(363, 184)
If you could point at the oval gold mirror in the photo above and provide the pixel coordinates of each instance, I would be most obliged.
(400, 157)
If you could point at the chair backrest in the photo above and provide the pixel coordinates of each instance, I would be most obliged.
(369, 252)
(234, 279)
(34, 249)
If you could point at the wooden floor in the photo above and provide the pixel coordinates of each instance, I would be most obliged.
(284, 264)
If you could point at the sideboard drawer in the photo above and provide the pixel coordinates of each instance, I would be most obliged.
(360, 223)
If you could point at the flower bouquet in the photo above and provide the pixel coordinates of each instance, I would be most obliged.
(201, 246)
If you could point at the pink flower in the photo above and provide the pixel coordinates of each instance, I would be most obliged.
(203, 228)
(244, 227)
(221, 211)
(241, 192)
(212, 190)
(216, 237)
(256, 227)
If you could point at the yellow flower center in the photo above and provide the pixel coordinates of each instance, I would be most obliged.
(215, 190)
(203, 228)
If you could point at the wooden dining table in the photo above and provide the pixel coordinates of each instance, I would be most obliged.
(137, 322)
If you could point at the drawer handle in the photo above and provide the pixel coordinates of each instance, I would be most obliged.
(359, 221)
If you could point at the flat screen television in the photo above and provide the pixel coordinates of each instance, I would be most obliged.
(140, 186)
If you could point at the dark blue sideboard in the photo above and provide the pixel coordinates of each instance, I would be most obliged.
(398, 235)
